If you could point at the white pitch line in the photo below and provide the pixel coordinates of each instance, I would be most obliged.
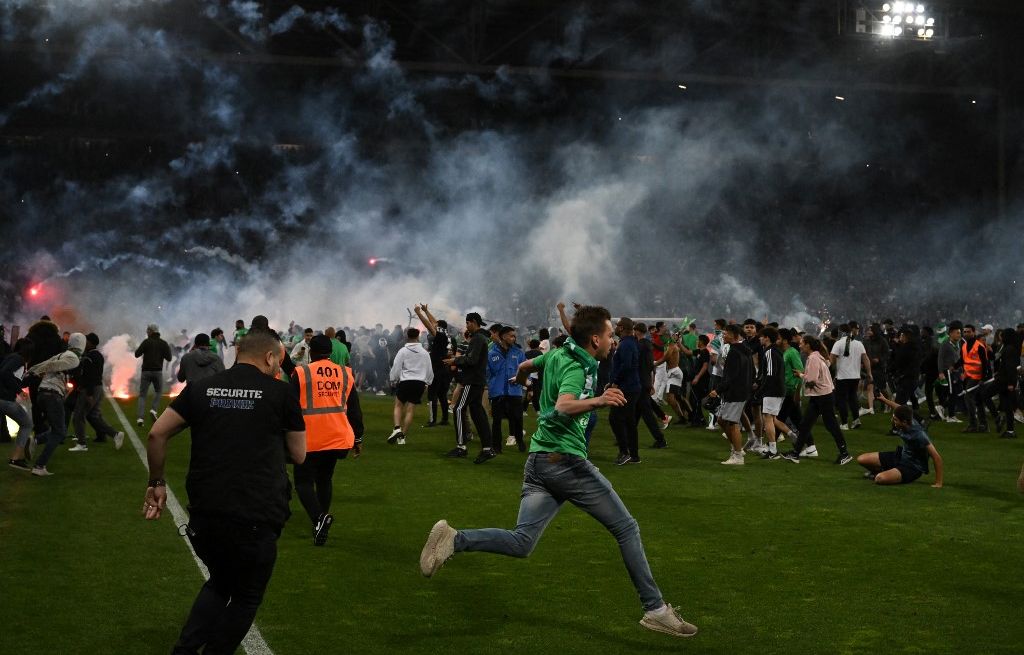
(254, 644)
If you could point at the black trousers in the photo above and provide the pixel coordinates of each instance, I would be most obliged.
(823, 406)
(1007, 400)
(846, 400)
(624, 423)
(437, 392)
(508, 408)
(929, 391)
(906, 390)
(791, 410)
(314, 481)
(472, 400)
(645, 410)
(240, 558)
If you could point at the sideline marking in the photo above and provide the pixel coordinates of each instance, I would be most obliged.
(253, 643)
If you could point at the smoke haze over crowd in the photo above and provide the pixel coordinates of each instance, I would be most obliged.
(216, 188)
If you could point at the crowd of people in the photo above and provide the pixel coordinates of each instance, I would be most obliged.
(756, 382)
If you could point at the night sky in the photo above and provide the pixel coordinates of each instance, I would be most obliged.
(197, 162)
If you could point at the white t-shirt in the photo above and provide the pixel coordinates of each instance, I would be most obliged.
(848, 367)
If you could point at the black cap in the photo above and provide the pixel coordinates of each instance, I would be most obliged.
(475, 317)
(321, 345)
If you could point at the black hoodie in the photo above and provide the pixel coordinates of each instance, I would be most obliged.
(738, 378)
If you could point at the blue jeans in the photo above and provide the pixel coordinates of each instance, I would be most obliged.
(51, 405)
(549, 480)
(21, 417)
(145, 379)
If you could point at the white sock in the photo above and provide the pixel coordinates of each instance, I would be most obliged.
(773, 447)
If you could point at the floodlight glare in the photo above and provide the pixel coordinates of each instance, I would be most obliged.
(897, 31)
(898, 6)
(929, 33)
(887, 18)
(920, 9)
(920, 31)
(919, 20)
(886, 7)
(930, 22)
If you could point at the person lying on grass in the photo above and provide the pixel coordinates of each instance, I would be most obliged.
(908, 462)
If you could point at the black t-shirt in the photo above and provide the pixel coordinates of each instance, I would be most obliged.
(439, 349)
(238, 419)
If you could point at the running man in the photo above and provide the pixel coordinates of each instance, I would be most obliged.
(557, 470)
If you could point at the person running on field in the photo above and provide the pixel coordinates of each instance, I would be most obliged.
(850, 359)
(410, 375)
(557, 470)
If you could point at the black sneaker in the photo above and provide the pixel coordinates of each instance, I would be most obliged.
(843, 459)
(521, 445)
(456, 452)
(429, 425)
(770, 455)
(323, 526)
(659, 444)
(1009, 434)
(485, 455)
(622, 459)
(634, 460)
(791, 456)
(19, 464)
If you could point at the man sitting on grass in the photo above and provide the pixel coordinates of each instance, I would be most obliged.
(908, 462)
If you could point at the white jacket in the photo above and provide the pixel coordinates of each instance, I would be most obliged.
(412, 362)
(53, 371)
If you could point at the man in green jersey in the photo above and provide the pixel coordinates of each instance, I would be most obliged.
(557, 470)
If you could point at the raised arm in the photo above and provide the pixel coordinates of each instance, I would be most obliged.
(564, 317)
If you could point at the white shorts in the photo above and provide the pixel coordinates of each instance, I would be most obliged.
(675, 377)
(771, 406)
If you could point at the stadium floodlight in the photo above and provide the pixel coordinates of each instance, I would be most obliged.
(900, 19)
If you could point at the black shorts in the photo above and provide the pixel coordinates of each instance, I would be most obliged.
(676, 389)
(410, 391)
(891, 460)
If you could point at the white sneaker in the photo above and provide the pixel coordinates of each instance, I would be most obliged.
(864, 411)
(809, 451)
(856, 424)
(735, 459)
(941, 411)
(666, 422)
(510, 440)
(40, 471)
(395, 434)
(118, 440)
(668, 621)
(780, 438)
(844, 426)
(953, 419)
(439, 548)
(78, 448)
(152, 413)
(725, 436)
(751, 442)
(401, 440)
(138, 422)
(1018, 416)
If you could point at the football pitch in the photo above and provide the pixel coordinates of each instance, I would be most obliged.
(770, 557)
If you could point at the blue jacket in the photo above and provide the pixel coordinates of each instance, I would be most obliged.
(501, 367)
(626, 365)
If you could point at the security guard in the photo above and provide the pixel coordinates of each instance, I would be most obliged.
(334, 425)
(242, 421)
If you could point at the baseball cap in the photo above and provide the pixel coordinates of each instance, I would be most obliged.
(475, 317)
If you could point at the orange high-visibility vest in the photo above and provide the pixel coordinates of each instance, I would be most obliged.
(323, 392)
(972, 359)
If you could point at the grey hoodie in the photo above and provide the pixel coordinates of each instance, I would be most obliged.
(412, 362)
(198, 364)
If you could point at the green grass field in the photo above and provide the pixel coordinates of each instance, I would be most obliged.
(769, 558)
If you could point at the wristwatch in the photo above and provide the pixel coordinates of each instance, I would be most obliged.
(157, 482)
